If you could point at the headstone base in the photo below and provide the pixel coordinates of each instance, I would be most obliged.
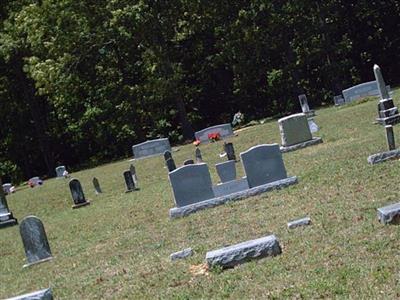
(128, 191)
(183, 211)
(7, 220)
(389, 214)
(389, 120)
(314, 141)
(236, 254)
(81, 205)
(310, 113)
(383, 156)
(38, 262)
(38, 295)
(230, 187)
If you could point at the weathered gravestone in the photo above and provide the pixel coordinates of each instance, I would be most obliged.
(129, 183)
(304, 106)
(263, 164)
(35, 242)
(60, 171)
(362, 90)
(170, 164)
(7, 188)
(226, 170)
(188, 162)
(77, 194)
(224, 130)
(300, 222)
(388, 114)
(230, 151)
(45, 294)
(6, 216)
(167, 155)
(338, 100)
(231, 256)
(191, 184)
(295, 133)
(151, 148)
(389, 214)
(96, 185)
(197, 154)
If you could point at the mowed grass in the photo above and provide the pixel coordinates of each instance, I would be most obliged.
(119, 246)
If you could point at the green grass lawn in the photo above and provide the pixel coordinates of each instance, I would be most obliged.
(119, 246)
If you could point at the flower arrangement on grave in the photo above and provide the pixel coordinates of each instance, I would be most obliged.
(196, 142)
(213, 137)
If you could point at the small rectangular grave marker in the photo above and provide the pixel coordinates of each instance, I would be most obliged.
(170, 164)
(239, 253)
(35, 242)
(389, 214)
(181, 254)
(300, 222)
(60, 171)
(129, 183)
(230, 151)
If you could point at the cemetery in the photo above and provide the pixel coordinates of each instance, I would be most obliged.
(199, 150)
(123, 238)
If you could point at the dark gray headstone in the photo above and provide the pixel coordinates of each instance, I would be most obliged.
(167, 155)
(181, 254)
(77, 194)
(6, 217)
(46, 294)
(130, 184)
(170, 164)
(188, 162)
(191, 184)
(226, 170)
(35, 242)
(300, 222)
(96, 185)
(133, 172)
(263, 164)
(199, 158)
(390, 137)
(230, 151)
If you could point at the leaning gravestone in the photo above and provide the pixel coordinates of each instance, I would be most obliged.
(35, 242)
(263, 164)
(304, 106)
(191, 184)
(46, 294)
(230, 151)
(197, 154)
(60, 171)
(151, 148)
(170, 164)
(96, 185)
(295, 133)
(77, 194)
(6, 216)
(226, 170)
(129, 183)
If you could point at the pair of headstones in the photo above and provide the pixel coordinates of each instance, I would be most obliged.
(263, 164)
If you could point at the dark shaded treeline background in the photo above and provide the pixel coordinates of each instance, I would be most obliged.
(82, 81)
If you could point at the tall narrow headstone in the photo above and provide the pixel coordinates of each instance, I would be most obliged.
(133, 172)
(199, 158)
(230, 151)
(35, 242)
(390, 137)
(77, 194)
(388, 114)
(188, 162)
(170, 164)
(129, 183)
(167, 155)
(304, 106)
(96, 185)
(6, 217)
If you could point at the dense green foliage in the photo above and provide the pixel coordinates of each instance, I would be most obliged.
(81, 81)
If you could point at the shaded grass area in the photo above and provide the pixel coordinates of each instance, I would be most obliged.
(119, 246)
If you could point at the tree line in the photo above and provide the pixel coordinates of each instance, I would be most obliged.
(81, 81)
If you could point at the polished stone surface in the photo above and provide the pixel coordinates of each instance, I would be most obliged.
(34, 239)
(77, 193)
(191, 184)
(45, 294)
(230, 151)
(314, 141)
(263, 164)
(170, 164)
(236, 254)
(226, 170)
(151, 148)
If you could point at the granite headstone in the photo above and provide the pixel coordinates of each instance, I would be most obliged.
(226, 170)
(170, 164)
(151, 148)
(96, 185)
(129, 183)
(199, 158)
(77, 194)
(230, 151)
(6, 216)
